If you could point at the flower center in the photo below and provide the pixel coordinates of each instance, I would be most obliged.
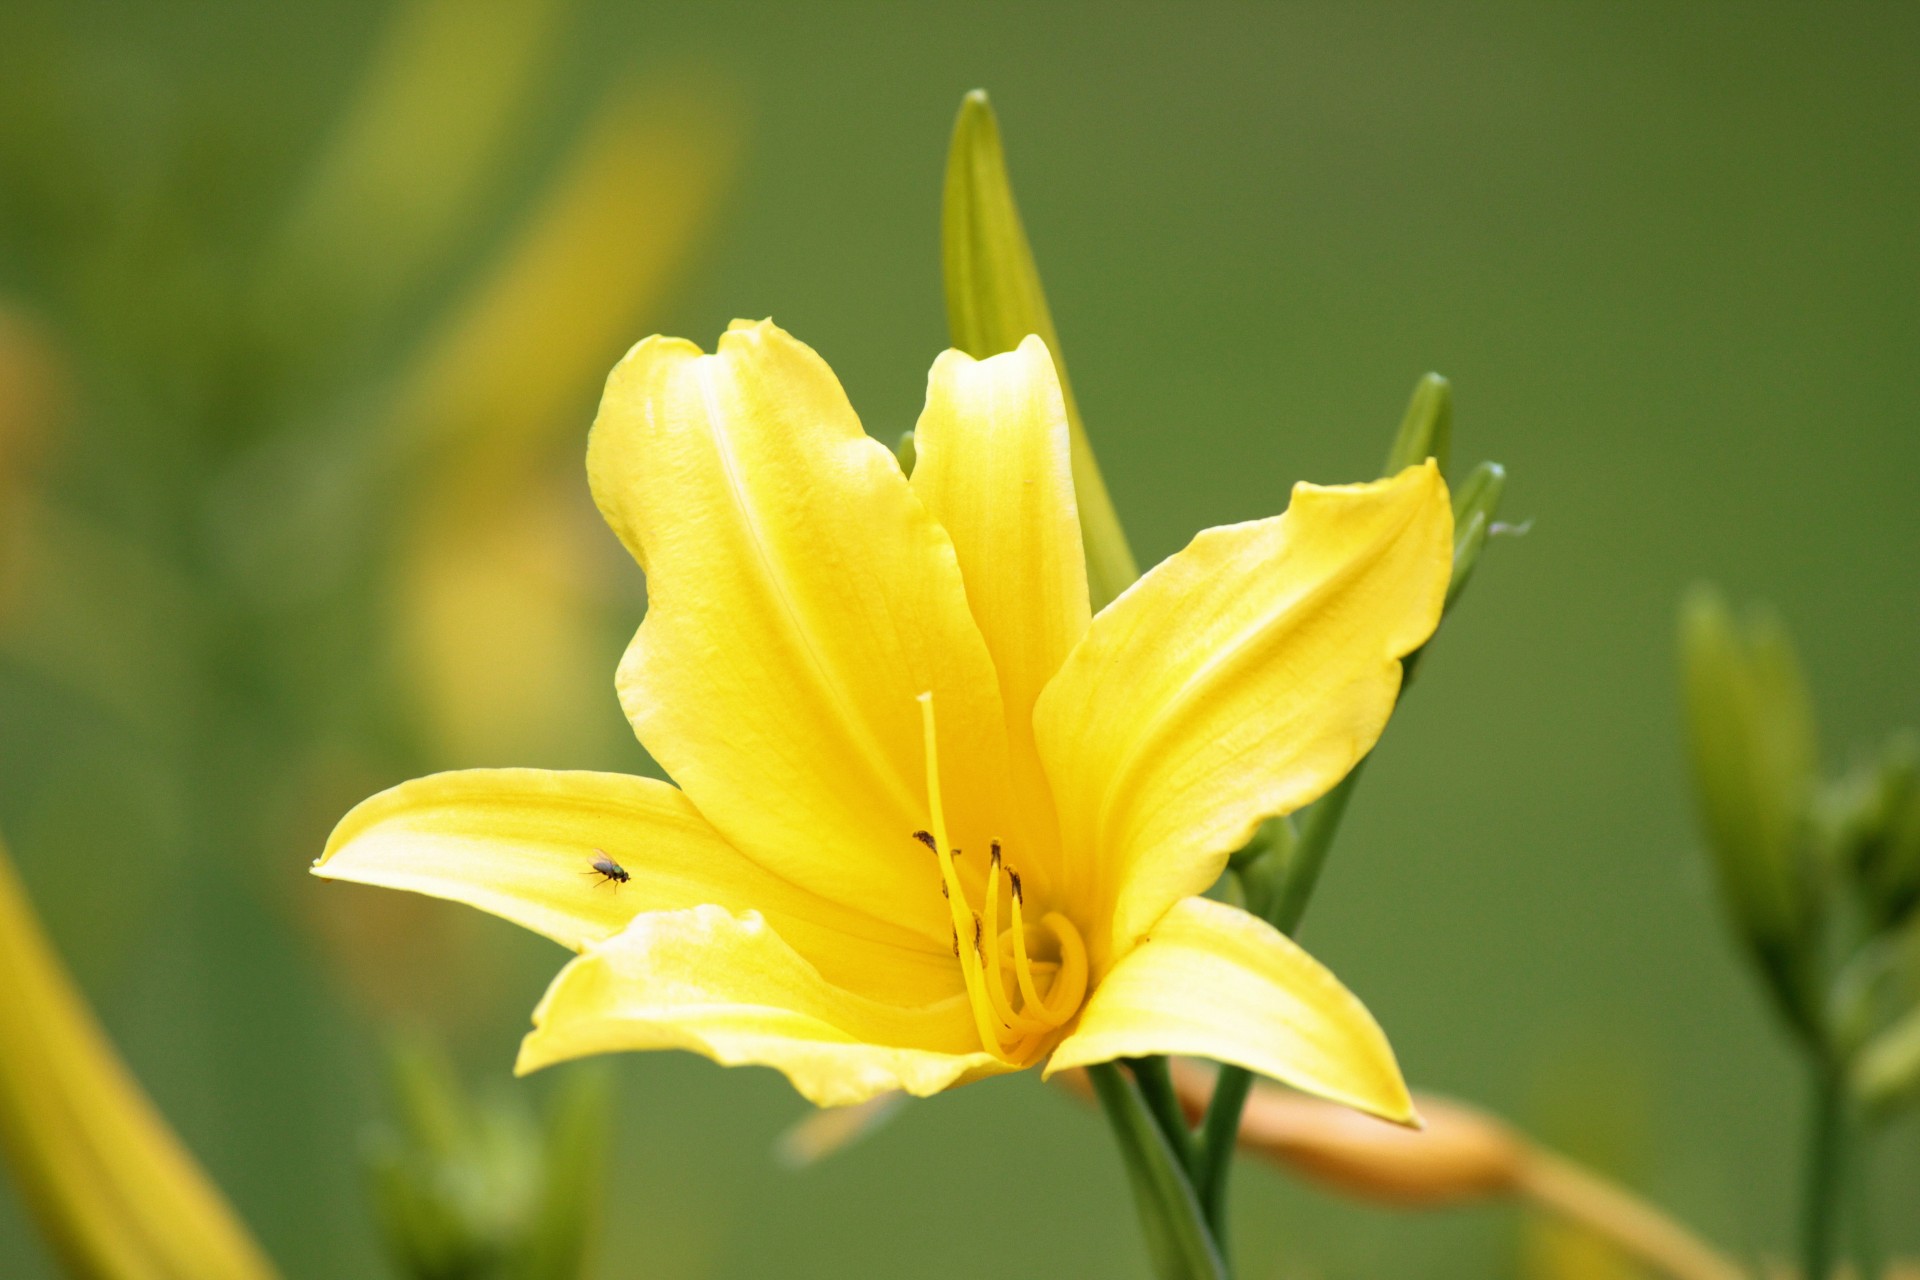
(999, 966)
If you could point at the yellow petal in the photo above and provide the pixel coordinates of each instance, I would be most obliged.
(520, 843)
(994, 469)
(729, 987)
(97, 1166)
(800, 599)
(1212, 981)
(1241, 678)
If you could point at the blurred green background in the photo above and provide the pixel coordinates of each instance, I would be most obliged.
(303, 311)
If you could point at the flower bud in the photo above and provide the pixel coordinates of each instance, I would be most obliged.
(1750, 731)
(1872, 819)
(1475, 503)
(994, 300)
(1886, 1076)
(478, 1188)
(1457, 1154)
(1427, 429)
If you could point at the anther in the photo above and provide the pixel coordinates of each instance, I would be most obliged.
(1014, 877)
(956, 942)
(976, 932)
(926, 838)
(996, 853)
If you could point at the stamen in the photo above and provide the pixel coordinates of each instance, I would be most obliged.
(996, 985)
(926, 838)
(970, 964)
(1069, 985)
(1022, 966)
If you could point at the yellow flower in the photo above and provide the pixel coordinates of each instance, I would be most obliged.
(934, 820)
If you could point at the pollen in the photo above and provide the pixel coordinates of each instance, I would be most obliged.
(1013, 1033)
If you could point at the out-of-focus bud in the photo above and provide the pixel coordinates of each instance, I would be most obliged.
(994, 300)
(1458, 1154)
(1427, 429)
(1750, 731)
(904, 450)
(112, 1188)
(1886, 1075)
(824, 1131)
(1871, 819)
(476, 1191)
(1475, 503)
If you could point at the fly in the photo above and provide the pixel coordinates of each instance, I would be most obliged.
(609, 871)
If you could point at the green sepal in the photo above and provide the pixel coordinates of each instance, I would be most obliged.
(1426, 431)
(994, 300)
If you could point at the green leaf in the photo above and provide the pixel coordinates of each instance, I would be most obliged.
(994, 300)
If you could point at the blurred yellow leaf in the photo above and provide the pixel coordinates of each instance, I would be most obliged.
(34, 395)
(116, 1194)
(405, 171)
(496, 588)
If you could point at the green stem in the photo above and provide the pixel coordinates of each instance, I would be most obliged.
(1219, 1137)
(1220, 1130)
(1156, 1088)
(1310, 854)
(1826, 1160)
(1177, 1235)
(1869, 1259)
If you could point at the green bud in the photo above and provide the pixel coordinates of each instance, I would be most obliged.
(1750, 731)
(1886, 1075)
(1261, 866)
(994, 300)
(472, 1191)
(575, 1151)
(1873, 821)
(1427, 429)
(903, 450)
(1475, 503)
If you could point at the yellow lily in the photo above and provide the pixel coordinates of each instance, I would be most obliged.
(935, 820)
